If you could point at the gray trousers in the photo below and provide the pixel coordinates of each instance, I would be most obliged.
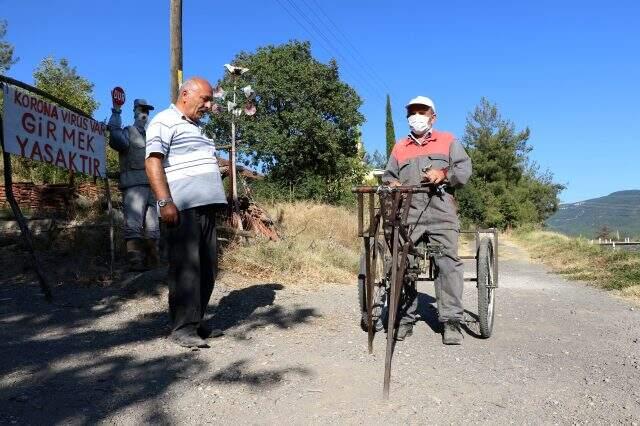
(449, 279)
(140, 213)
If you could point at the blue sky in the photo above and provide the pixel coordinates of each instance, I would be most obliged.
(569, 70)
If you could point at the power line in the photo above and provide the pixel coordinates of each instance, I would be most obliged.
(328, 45)
(367, 67)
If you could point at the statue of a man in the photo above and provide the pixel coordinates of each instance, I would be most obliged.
(141, 228)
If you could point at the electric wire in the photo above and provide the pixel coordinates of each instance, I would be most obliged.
(331, 45)
(367, 67)
(314, 32)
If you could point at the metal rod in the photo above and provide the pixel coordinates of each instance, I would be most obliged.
(232, 160)
(24, 229)
(496, 259)
(394, 189)
(372, 212)
(393, 305)
(391, 325)
(360, 215)
(369, 287)
(111, 243)
(370, 282)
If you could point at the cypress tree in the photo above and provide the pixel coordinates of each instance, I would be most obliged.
(391, 134)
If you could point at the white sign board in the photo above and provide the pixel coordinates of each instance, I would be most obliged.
(38, 129)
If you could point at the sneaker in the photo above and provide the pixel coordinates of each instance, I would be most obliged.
(187, 339)
(404, 331)
(452, 334)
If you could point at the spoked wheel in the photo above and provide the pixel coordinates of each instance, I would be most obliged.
(486, 287)
(379, 291)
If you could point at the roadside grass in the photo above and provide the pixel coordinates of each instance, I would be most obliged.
(577, 259)
(319, 245)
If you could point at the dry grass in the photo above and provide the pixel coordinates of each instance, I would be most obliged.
(578, 259)
(319, 246)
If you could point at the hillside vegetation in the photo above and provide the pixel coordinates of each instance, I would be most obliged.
(619, 212)
(577, 259)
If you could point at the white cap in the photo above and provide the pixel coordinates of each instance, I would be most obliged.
(422, 100)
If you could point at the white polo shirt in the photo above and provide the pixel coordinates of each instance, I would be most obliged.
(189, 159)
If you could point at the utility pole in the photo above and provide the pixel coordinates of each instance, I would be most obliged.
(175, 28)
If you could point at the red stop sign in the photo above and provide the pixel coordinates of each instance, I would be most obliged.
(117, 95)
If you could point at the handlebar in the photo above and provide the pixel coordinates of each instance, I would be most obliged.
(405, 189)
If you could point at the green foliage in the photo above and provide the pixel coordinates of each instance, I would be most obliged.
(304, 134)
(310, 187)
(505, 189)
(61, 80)
(6, 50)
(390, 131)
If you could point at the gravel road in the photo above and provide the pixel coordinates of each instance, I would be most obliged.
(562, 353)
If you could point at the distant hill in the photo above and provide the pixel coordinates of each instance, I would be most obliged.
(619, 211)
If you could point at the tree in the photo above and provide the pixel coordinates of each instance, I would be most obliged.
(61, 80)
(505, 189)
(375, 160)
(390, 131)
(6, 50)
(305, 131)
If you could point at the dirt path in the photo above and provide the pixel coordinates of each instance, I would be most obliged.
(561, 353)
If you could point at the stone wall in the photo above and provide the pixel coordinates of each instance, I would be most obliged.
(53, 200)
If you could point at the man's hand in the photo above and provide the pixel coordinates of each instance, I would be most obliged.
(394, 183)
(434, 176)
(169, 215)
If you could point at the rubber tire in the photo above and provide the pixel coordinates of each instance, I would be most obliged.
(362, 292)
(486, 294)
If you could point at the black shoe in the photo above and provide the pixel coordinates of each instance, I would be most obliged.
(204, 331)
(452, 333)
(187, 339)
(404, 331)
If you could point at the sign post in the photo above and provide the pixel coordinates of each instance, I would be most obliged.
(40, 130)
(43, 128)
(117, 96)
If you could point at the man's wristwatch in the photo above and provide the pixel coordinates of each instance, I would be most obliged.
(164, 202)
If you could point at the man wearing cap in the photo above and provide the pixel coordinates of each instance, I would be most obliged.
(427, 155)
(141, 228)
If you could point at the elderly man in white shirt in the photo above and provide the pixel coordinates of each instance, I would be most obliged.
(184, 176)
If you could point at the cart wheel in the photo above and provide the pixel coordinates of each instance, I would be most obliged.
(379, 291)
(486, 290)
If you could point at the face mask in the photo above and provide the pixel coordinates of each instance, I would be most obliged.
(419, 124)
(141, 118)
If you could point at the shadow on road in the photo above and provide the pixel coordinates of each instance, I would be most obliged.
(237, 373)
(90, 354)
(429, 312)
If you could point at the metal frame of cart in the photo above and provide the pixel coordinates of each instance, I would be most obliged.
(384, 230)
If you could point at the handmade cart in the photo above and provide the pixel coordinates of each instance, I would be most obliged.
(382, 224)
